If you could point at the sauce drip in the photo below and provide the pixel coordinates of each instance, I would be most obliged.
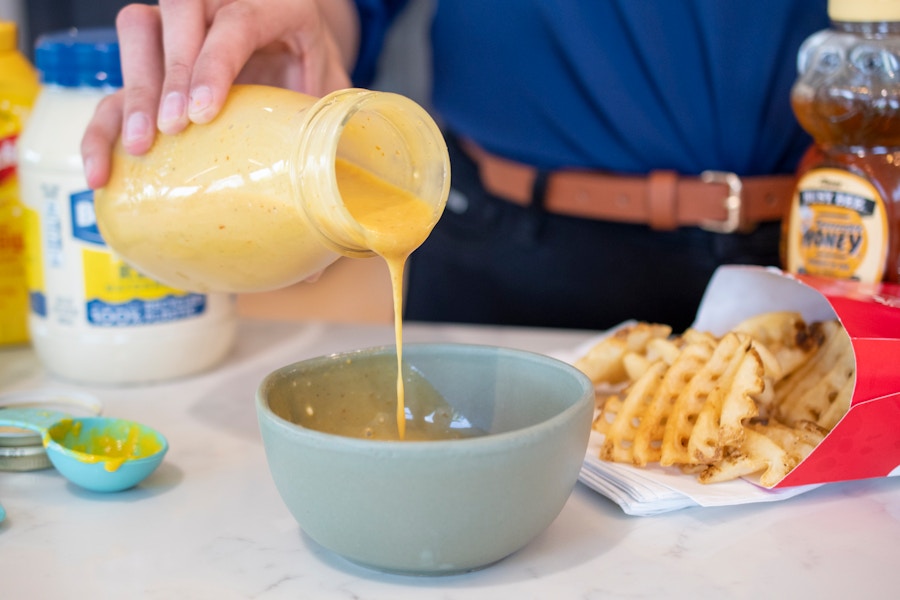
(111, 445)
(396, 222)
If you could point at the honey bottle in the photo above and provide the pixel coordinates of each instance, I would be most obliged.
(844, 219)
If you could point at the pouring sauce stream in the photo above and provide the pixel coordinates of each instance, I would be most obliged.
(396, 223)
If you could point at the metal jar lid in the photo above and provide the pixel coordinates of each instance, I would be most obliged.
(23, 450)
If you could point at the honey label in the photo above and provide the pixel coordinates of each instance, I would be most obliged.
(837, 227)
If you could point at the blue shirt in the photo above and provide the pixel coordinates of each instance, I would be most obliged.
(619, 85)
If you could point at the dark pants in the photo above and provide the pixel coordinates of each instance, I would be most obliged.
(491, 261)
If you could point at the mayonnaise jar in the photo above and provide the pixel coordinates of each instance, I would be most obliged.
(92, 317)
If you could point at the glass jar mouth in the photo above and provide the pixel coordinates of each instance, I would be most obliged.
(384, 133)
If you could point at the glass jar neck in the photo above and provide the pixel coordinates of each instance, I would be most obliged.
(386, 134)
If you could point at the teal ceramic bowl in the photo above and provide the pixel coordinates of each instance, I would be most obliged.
(427, 507)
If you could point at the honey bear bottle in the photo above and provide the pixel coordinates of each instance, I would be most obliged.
(844, 220)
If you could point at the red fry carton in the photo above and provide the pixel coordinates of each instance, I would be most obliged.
(866, 442)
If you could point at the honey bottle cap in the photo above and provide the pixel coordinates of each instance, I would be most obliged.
(864, 11)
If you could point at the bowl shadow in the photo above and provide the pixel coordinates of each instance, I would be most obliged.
(165, 478)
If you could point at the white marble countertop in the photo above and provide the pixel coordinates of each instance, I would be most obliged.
(210, 524)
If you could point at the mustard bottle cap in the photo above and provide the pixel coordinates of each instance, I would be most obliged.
(864, 11)
(7, 36)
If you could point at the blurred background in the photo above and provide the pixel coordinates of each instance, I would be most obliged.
(351, 290)
(35, 17)
(404, 63)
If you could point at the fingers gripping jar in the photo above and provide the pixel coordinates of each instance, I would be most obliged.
(260, 198)
(92, 318)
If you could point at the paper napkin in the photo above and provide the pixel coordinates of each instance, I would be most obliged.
(653, 490)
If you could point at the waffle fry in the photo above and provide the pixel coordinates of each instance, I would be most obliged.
(753, 402)
(797, 441)
(820, 390)
(757, 453)
(720, 423)
(773, 448)
(605, 361)
(786, 335)
(691, 400)
(772, 374)
(648, 438)
(610, 406)
(636, 363)
(619, 443)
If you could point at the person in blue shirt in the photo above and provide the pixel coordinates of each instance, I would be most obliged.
(607, 155)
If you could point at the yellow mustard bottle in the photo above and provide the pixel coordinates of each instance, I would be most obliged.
(844, 220)
(276, 188)
(19, 87)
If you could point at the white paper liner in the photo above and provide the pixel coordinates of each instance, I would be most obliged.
(653, 490)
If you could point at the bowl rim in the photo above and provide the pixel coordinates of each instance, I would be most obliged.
(483, 443)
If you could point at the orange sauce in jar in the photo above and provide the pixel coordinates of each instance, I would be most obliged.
(396, 223)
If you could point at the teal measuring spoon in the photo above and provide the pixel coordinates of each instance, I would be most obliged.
(100, 454)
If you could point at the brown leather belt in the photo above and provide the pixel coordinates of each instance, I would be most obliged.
(717, 201)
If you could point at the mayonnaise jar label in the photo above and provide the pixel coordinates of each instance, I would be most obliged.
(74, 279)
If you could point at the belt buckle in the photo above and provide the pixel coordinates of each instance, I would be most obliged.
(732, 221)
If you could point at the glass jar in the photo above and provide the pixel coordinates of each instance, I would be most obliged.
(252, 201)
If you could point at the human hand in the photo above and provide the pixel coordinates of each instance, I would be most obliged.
(180, 58)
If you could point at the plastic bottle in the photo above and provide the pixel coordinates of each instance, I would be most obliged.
(844, 221)
(255, 200)
(92, 318)
(18, 89)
